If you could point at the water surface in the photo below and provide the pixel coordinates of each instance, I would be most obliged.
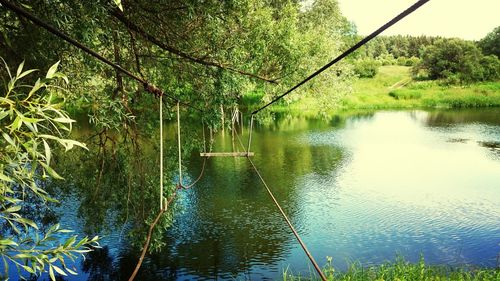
(360, 188)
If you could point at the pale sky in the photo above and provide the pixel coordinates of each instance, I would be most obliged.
(468, 19)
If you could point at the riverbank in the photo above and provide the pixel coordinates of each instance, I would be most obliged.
(402, 270)
(393, 88)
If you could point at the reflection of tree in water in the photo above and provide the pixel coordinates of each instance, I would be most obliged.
(225, 225)
(462, 116)
(99, 265)
(115, 183)
(493, 146)
(228, 223)
(35, 209)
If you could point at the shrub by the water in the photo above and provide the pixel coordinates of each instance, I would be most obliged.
(458, 61)
(366, 68)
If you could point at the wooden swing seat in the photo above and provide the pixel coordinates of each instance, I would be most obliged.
(226, 154)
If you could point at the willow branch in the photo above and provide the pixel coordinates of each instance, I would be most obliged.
(121, 17)
(148, 239)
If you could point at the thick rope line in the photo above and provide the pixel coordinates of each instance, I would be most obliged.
(37, 21)
(349, 51)
(295, 233)
(311, 258)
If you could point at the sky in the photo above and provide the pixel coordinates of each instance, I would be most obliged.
(467, 19)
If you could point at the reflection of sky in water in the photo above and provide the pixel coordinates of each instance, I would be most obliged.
(362, 189)
(405, 188)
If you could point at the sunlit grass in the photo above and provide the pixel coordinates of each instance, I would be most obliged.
(393, 87)
(400, 270)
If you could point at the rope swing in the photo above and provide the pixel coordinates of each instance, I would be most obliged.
(164, 203)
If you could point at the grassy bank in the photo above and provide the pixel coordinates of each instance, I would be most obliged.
(393, 87)
(403, 270)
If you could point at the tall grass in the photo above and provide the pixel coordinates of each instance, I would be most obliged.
(392, 87)
(401, 270)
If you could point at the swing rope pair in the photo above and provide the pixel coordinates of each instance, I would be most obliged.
(153, 90)
(180, 184)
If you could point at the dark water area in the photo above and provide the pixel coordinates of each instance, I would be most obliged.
(362, 188)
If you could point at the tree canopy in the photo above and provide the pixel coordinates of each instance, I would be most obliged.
(459, 60)
(203, 52)
(208, 54)
(490, 45)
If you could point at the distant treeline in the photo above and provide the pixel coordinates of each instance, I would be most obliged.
(452, 59)
(397, 46)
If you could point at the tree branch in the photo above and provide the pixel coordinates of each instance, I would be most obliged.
(148, 238)
(121, 17)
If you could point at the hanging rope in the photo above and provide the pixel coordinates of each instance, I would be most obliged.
(199, 177)
(250, 134)
(180, 184)
(179, 143)
(204, 141)
(161, 152)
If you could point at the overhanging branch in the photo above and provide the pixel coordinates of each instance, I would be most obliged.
(121, 17)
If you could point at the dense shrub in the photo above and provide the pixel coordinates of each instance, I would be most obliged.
(491, 67)
(366, 68)
(387, 59)
(458, 61)
(404, 61)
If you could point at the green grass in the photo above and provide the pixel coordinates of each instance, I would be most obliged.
(393, 87)
(402, 270)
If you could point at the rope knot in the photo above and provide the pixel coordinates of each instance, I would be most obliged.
(153, 89)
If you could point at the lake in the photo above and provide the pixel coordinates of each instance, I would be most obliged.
(360, 188)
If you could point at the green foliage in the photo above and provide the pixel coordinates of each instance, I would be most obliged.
(386, 59)
(282, 40)
(401, 270)
(490, 68)
(366, 68)
(404, 61)
(397, 46)
(456, 61)
(405, 95)
(31, 124)
(490, 45)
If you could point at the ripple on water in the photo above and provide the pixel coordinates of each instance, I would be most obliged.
(364, 189)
